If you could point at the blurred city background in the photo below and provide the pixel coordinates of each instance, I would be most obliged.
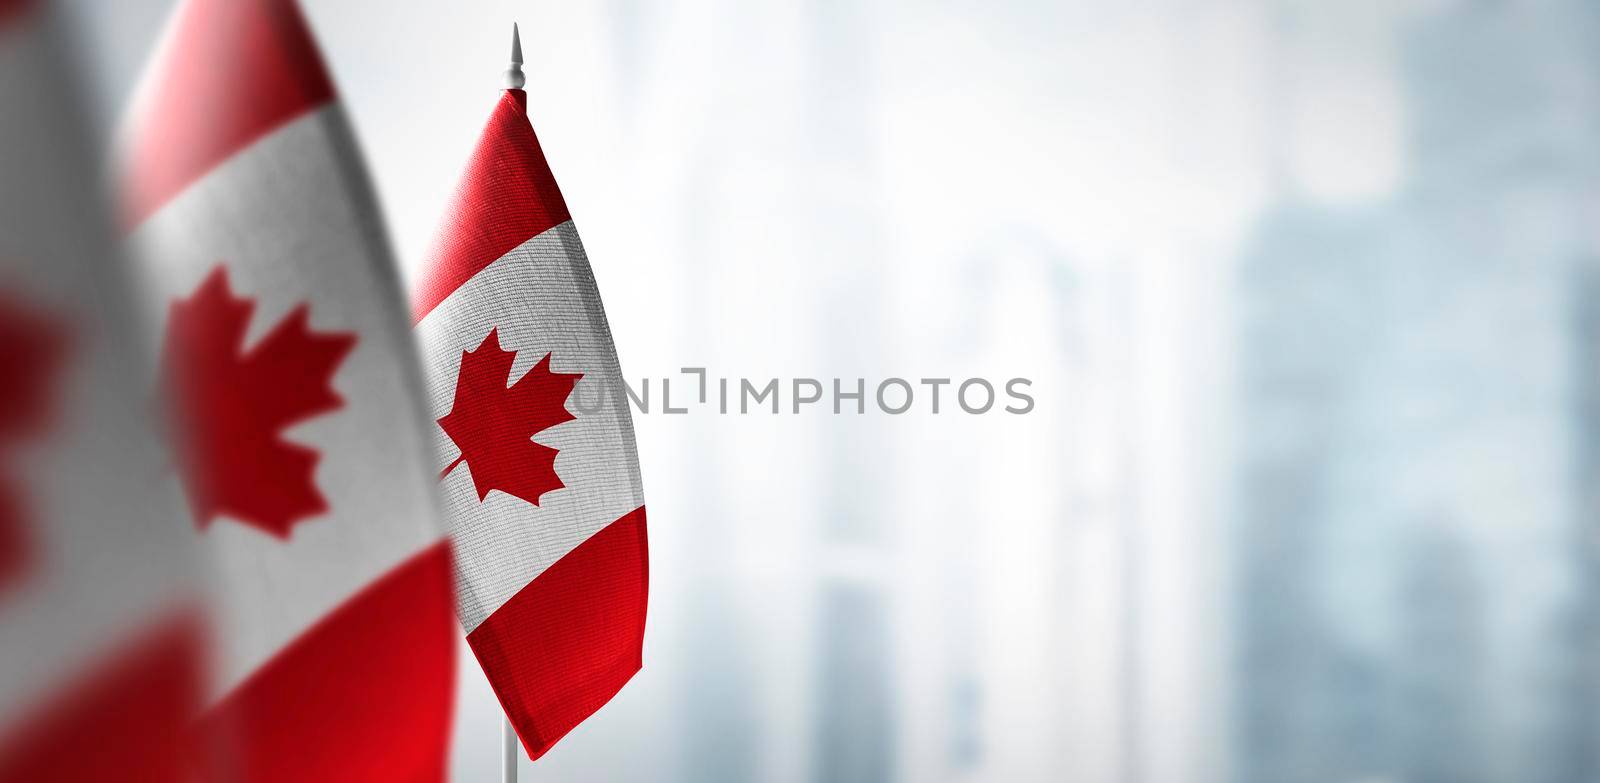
(1309, 293)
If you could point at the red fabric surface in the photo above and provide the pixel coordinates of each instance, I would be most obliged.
(35, 350)
(234, 70)
(508, 196)
(565, 644)
(365, 695)
(10, 9)
(128, 721)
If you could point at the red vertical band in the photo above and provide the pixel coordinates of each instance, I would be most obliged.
(128, 721)
(508, 196)
(365, 695)
(568, 641)
(233, 71)
(10, 9)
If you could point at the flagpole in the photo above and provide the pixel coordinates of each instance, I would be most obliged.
(508, 751)
(514, 77)
(509, 742)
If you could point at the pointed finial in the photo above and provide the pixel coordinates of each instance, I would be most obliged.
(514, 77)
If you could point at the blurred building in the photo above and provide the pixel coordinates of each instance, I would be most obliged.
(855, 717)
(1415, 440)
(1305, 687)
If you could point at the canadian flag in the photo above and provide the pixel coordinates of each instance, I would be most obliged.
(297, 405)
(101, 646)
(539, 472)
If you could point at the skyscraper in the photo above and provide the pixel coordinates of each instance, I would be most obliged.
(1413, 443)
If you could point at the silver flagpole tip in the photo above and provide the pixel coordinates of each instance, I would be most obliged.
(514, 77)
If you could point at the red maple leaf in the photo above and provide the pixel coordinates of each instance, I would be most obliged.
(231, 407)
(493, 424)
(32, 353)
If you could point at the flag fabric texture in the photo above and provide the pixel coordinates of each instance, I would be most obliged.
(102, 653)
(296, 405)
(538, 467)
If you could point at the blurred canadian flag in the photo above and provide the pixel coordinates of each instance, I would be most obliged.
(101, 646)
(296, 404)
